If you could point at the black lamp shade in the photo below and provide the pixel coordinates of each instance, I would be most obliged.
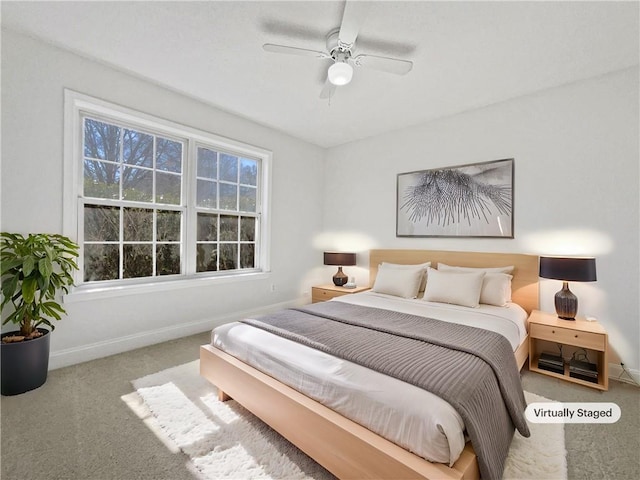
(339, 259)
(568, 269)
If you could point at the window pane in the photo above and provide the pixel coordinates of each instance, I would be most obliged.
(228, 256)
(247, 229)
(206, 194)
(167, 259)
(228, 197)
(228, 168)
(248, 199)
(207, 227)
(101, 140)
(138, 261)
(137, 184)
(101, 224)
(137, 148)
(168, 155)
(168, 226)
(229, 228)
(247, 255)
(101, 179)
(138, 225)
(248, 172)
(207, 163)
(101, 262)
(168, 188)
(207, 257)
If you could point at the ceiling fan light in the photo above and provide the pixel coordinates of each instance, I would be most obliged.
(340, 73)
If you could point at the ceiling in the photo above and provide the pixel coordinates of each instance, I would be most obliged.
(466, 54)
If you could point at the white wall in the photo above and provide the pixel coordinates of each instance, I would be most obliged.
(576, 188)
(34, 75)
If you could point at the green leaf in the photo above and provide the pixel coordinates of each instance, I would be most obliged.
(45, 266)
(54, 306)
(46, 322)
(52, 309)
(13, 318)
(9, 287)
(44, 284)
(28, 264)
(29, 286)
(9, 264)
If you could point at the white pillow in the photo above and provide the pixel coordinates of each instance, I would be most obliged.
(496, 289)
(458, 288)
(422, 266)
(445, 267)
(401, 282)
(402, 265)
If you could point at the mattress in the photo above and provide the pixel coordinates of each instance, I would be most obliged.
(409, 416)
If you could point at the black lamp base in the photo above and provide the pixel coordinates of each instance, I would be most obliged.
(566, 303)
(339, 279)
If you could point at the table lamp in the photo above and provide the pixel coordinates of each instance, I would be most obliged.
(568, 269)
(340, 260)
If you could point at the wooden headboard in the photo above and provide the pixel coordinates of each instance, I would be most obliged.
(524, 286)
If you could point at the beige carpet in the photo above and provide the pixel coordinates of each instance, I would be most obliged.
(224, 441)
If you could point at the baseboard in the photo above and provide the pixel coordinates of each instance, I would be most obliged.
(627, 375)
(84, 353)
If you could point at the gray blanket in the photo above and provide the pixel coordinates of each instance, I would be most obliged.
(472, 369)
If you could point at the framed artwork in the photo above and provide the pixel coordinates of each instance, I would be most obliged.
(473, 200)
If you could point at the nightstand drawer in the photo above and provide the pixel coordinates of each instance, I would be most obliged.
(321, 295)
(568, 336)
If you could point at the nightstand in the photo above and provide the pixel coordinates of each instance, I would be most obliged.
(547, 332)
(322, 293)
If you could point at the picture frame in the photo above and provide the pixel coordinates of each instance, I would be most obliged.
(473, 200)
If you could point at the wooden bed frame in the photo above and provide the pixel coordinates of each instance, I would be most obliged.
(345, 448)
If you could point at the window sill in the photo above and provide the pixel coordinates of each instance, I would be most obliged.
(89, 293)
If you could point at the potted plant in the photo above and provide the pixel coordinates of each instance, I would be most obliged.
(34, 270)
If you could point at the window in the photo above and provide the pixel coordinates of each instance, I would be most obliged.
(155, 200)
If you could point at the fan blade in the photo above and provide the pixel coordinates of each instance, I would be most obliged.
(391, 65)
(352, 18)
(270, 47)
(328, 90)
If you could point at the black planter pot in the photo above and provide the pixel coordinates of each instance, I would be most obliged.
(24, 365)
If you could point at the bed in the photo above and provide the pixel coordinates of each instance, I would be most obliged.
(341, 445)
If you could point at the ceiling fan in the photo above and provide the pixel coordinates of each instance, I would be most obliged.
(340, 48)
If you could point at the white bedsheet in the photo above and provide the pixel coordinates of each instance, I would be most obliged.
(509, 321)
(407, 415)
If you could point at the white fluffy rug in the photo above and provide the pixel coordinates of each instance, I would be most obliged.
(225, 441)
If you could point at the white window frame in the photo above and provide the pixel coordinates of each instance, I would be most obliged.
(76, 106)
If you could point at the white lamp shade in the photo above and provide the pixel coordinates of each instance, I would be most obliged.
(340, 73)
